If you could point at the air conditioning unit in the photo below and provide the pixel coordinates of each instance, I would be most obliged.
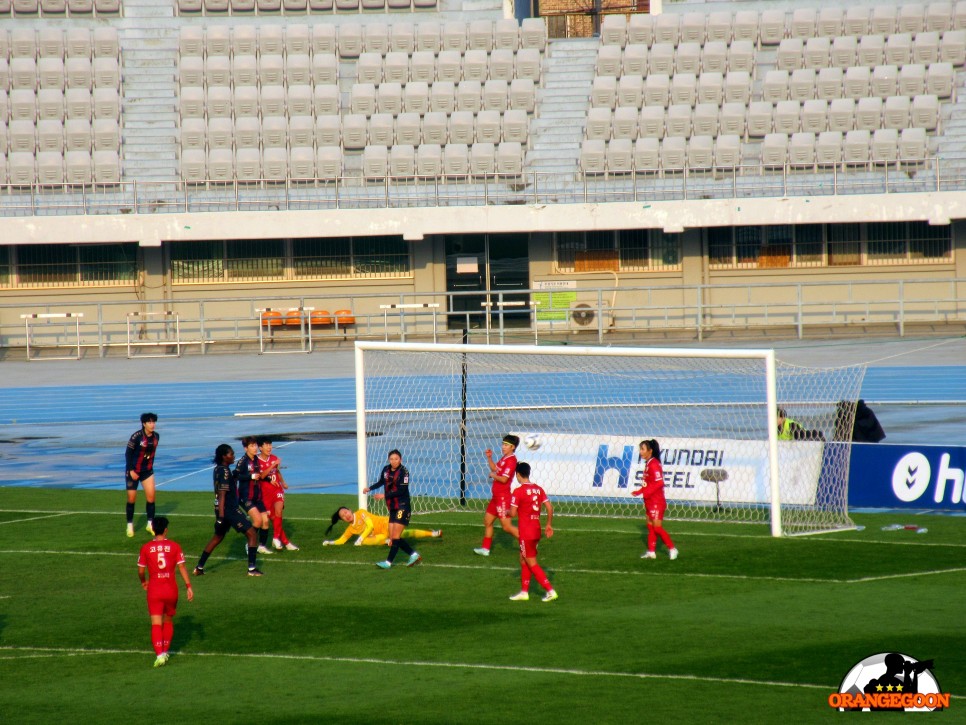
(589, 315)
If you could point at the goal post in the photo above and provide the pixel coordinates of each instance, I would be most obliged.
(580, 413)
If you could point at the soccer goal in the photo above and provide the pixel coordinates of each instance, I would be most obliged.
(580, 413)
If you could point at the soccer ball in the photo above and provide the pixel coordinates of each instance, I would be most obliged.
(531, 443)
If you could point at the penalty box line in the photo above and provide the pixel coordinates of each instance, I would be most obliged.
(70, 652)
(588, 572)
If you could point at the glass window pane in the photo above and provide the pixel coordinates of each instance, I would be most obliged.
(254, 258)
(47, 264)
(380, 256)
(108, 263)
(666, 248)
(844, 244)
(197, 261)
(885, 241)
(747, 245)
(777, 250)
(633, 248)
(808, 244)
(930, 242)
(322, 257)
(720, 245)
(568, 244)
(5, 279)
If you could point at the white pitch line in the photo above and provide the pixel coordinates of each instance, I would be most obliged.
(35, 518)
(905, 576)
(444, 665)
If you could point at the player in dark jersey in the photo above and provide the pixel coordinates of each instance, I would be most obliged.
(156, 567)
(139, 469)
(228, 515)
(248, 476)
(395, 479)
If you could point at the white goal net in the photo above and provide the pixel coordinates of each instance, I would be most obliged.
(581, 412)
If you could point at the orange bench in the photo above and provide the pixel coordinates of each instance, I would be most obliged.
(320, 318)
(344, 318)
(272, 318)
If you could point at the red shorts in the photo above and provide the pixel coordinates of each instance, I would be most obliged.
(272, 493)
(655, 507)
(499, 506)
(528, 548)
(162, 604)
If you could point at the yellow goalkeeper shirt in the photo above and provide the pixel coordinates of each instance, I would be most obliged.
(364, 524)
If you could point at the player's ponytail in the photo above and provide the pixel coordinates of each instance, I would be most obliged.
(655, 448)
(335, 519)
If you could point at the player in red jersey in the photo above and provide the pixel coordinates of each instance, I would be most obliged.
(273, 493)
(525, 504)
(652, 489)
(156, 570)
(499, 508)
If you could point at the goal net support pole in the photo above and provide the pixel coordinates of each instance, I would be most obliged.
(580, 412)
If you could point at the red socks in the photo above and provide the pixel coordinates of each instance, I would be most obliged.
(653, 532)
(277, 529)
(157, 638)
(167, 630)
(541, 577)
(487, 542)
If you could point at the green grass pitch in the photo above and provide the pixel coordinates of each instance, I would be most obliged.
(741, 628)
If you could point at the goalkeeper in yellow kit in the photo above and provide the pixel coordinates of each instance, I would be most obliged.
(370, 529)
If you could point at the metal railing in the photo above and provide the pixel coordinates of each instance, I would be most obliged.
(529, 187)
(606, 313)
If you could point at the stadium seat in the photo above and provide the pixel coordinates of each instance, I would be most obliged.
(275, 163)
(106, 134)
(50, 105)
(677, 122)
(775, 86)
(456, 160)
(608, 61)
(737, 87)
(684, 89)
(428, 36)
(624, 123)
(461, 127)
(898, 49)
(714, 57)
(856, 20)
(435, 128)
(718, 27)
(868, 114)
(502, 65)
(329, 163)
(674, 154)
(220, 133)
(885, 81)
(896, 112)
(495, 95)
(731, 121)
(274, 132)
(50, 73)
(830, 22)
(78, 103)
(912, 80)
(389, 98)
(213, 7)
(801, 84)
(429, 160)
(272, 100)
(727, 151)
(416, 97)
(50, 43)
(619, 156)
(667, 28)
(870, 50)
(786, 117)
(350, 40)
(741, 56)
(593, 156)
(248, 132)
(246, 101)
(647, 155)
(657, 89)
(221, 165)
(194, 168)
(408, 129)
(475, 65)
(355, 132)
(660, 58)
(422, 66)
(301, 163)
(50, 136)
(298, 69)
(402, 37)
(301, 130)
(774, 150)
(939, 16)
(855, 147)
(710, 88)
(953, 47)
(402, 161)
(77, 134)
(856, 82)
(105, 42)
(924, 112)
(78, 168)
(692, 28)
(106, 165)
(843, 52)
(700, 153)
(362, 99)
(469, 96)
(790, 54)
(745, 25)
(687, 58)
(801, 149)
(369, 68)
(324, 39)
(382, 130)
(375, 163)
(925, 48)
(814, 117)
(650, 123)
(883, 19)
(759, 118)
(107, 7)
(841, 115)
(479, 35)
(912, 145)
(53, 7)
(23, 73)
(516, 127)
(248, 165)
(326, 100)
(328, 131)
(377, 6)
(396, 67)
(885, 146)
(828, 83)
(817, 53)
(506, 35)
(771, 27)
(630, 91)
(442, 97)
(803, 23)
(613, 30)
(828, 148)
(489, 127)
(940, 79)
(453, 36)
(603, 92)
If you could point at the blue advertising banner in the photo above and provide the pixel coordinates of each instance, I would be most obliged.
(910, 477)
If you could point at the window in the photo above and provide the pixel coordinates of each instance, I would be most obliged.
(251, 260)
(834, 245)
(61, 265)
(625, 250)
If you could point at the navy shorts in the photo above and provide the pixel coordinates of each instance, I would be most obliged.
(248, 504)
(400, 516)
(131, 485)
(234, 519)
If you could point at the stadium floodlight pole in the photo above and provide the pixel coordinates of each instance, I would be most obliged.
(771, 399)
(361, 462)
